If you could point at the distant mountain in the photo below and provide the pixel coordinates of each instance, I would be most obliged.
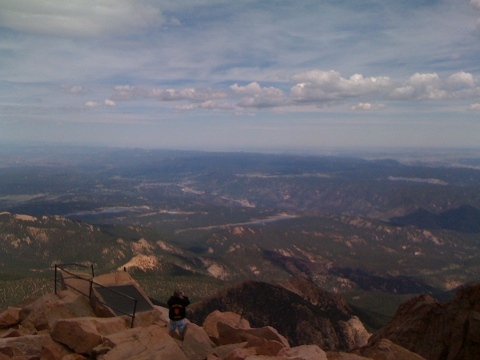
(465, 218)
(300, 311)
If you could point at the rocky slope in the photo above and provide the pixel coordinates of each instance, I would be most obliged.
(64, 326)
(438, 330)
(308, 314)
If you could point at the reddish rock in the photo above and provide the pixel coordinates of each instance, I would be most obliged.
(231, 335)
(223, 350)
(437, 330)
(9, 317)
(142, 343)
(81, 337)
(43, 313)
(12, 333)
(386, 350)
(196, 344)
(241, 354)
(230, 318)
(83, 334)
(303, 352)
(30, 345)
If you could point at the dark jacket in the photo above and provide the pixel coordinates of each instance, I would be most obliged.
(176, 306)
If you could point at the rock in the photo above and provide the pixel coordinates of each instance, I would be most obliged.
(12, 333)
(142, 343)
(30, 345)
(354, 333)
(9, 317)
(230, 318)
(303, 352)
(333, 355)
(386, 350)
(231, 335)
(196, 344)
(73, 357)
(83, 334)
(148, 318)
(43, 313)
(264, 347)
(223, 350)
(240, 354)
(437, 330)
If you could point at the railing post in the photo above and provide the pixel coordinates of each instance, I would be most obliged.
(55, 279)
(93, 272)
(134, 310)
(90, 290)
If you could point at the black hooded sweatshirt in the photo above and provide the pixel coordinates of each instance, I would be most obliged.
(177, 307)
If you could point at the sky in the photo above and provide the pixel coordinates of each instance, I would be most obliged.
(241, 74)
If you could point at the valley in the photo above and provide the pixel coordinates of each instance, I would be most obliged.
(206, 221)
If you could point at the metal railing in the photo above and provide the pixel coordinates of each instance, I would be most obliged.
(90, 287)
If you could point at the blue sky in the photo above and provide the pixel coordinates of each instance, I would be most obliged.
(233, 75)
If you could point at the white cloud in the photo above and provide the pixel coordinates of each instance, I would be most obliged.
(127, 92)
(461, 79)
(109, 103)
(421, 87)
(73, 89)
(366, 107)
(474, 107)
(259, 97)
(321, 86)
(184, 107)
(80, 17)
(213, 105)
(92, 104)
(250, 89)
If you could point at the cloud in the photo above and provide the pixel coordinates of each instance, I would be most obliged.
(127, 92)
(80, 17)
(92, 104)
(109, 103)
(474, 107)
(184, 107)
(73, 89)
(421, 87)
(476, 4)
(461, 79)
(212, 105)
(366, 107)
(258, 97)
(322, 86)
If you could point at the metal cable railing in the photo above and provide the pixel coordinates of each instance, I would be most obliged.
(90, 287)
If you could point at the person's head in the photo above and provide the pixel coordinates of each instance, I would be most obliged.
(177, 292)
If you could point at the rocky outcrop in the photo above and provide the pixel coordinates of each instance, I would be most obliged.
(437, 330)
(37, 331)
(308, 315)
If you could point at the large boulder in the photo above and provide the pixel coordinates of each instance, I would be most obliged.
(196, 344)
(231, 335)
(9, 317)
(354, 333)
(234, 320)
(83, 334)
(29, 346)
(150, 343)
(43, 312)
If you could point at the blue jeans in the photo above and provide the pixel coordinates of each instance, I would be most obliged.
(180, 324)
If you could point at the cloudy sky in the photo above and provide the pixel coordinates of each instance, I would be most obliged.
(241, 74)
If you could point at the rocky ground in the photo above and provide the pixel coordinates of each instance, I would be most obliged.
(69, 326)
